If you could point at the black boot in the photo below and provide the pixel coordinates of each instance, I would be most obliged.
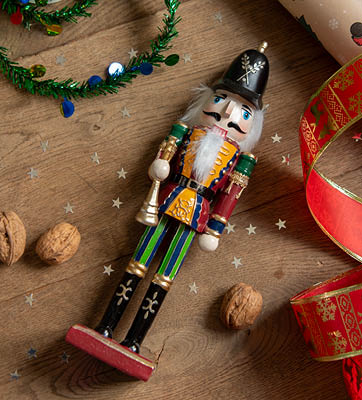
(145, 316)
(118, 304)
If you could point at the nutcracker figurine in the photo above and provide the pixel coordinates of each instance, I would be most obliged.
(211, 166)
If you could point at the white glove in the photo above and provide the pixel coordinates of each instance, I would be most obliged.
(208, 242)
(159, 169)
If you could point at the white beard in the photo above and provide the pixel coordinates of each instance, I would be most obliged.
(206, 150)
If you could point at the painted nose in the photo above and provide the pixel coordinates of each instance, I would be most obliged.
(229, 108)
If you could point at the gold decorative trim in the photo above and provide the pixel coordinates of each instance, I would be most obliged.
(250, 155)
(181, 123)
(164, 281)
(169, 149)
(326, 295)
(339, 356)
(348, 251)
(239, 179)
(136, 268)
(212, 232)
(114, 346)
(219, 218)
(339, 188)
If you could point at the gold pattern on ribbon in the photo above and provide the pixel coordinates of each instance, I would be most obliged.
(316, 337)
(344, 79)
(308, 133)
(326, 309)
(337, 341)
(349, 320)
(355, 103)
(340, 115)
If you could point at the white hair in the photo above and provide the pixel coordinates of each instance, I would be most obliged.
(194, 110)
(202, 95)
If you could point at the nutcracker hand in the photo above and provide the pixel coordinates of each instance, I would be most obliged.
(159, 169)
(208, 242)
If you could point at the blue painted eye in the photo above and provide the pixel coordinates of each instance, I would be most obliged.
(246, 115)
(218, 99)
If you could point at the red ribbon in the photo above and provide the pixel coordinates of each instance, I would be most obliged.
(330, 314)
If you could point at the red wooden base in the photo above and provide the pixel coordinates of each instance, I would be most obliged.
(110, 352)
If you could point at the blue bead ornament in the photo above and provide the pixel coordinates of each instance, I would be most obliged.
(115, 68)
(146, 68)
(24, 1)
(94, 80)
(67, 108)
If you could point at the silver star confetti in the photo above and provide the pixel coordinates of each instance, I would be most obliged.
(117, 203)
(108, 269)
(60, 60)
(68, 208)
(132, 53)
(44, 146)
(33, 173)
(29, 300)
(276, 138)
(237, 262)
(15, 375)
(281, 224)
(32, 353)
(193, 288)
(65, 357)
(187, 58)
(218, 17)
(95, 158)
(122, 173)
(125, 112)
(251, 229)
(229, 228)
(286, 159)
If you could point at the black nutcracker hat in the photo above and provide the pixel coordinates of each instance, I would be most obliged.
(247, 76)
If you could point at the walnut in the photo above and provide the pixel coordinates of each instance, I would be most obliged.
(58, 244)
(240, 306)
(12, 237)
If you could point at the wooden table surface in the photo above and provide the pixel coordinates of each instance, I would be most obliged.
(197, 357)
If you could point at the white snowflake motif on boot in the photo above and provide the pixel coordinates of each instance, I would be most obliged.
(149, 306)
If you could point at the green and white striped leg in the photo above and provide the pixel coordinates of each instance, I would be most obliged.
(159, 287)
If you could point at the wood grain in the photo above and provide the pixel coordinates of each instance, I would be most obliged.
(197, 357)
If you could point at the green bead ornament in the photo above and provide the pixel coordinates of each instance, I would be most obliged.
(53, 30)
(172, 59)
(37, 71)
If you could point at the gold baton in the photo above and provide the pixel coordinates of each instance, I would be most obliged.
(148, 214)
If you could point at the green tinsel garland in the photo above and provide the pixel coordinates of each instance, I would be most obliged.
(33, 13)
(71, 89)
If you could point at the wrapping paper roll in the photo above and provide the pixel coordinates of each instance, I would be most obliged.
(337, 24)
